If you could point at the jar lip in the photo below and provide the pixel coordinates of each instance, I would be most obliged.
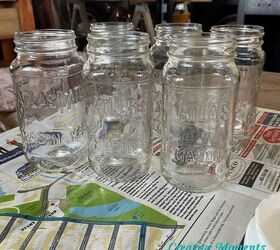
(240, 31)
(179, 26)
(204, 47)
(111, 26)
(203, 39)
(167, 39)
(118, 45)
(115, 39)
(164, 31)
(44, 35)
(45, 41)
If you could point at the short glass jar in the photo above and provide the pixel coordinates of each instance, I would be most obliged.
(158, 54)
(118, 74)
(249, 60)
(200, 85)
(50, 105)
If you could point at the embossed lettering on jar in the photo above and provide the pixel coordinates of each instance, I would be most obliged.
(118, 74)
(200, 83)
(47, 83)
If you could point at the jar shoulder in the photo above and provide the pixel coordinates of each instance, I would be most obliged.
(47, 66)
(183, 67)
(190, 74)
(124, 69)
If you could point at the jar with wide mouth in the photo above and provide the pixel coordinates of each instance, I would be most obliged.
(51, 109)
(118, 74)
(249, 60)
(200, 85)
(158, 54)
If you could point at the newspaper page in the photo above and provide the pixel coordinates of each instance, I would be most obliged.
(258, 164)
(80, 210)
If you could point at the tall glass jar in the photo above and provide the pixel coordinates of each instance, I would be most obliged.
(200, 83)
(158, 54)
(249, 60)
(118, 73)
(47, 84)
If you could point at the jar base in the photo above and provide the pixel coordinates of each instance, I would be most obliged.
(58, 159)
(194, 183)
(241, 142)
(54, 168)
(120, 171)
(49, 167)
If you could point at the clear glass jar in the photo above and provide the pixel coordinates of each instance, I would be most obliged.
(47, 84)
(249, 60)
(200, 85)
(158, 54)
(118, 73)
(105, 27)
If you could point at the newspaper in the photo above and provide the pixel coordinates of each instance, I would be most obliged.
(80, 210)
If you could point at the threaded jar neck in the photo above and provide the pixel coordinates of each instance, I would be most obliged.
(164, 31)
(118, 45)
(115, 27)
(246, 35)
(206, 47)
(45, 41)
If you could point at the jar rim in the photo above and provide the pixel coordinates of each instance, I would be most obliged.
(164, 31)
(128, 38)
(240, 30)
(203, 39)
(107, 26)
(40, 35)
(180, 26)
(45, 41)
(118, 45)
(204, 47)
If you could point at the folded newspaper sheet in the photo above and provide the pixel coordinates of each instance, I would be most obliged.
(80, 210)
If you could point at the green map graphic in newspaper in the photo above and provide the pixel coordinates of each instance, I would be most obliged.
(42, 210)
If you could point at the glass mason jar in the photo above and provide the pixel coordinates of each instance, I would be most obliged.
(249, 60)
(105, 27)
(118, 73)
(200, 85)
(47, 79)
(158, 54)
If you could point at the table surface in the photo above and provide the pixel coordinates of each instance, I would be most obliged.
(269, 95)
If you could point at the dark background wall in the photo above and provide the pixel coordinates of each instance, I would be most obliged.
(225, 11)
